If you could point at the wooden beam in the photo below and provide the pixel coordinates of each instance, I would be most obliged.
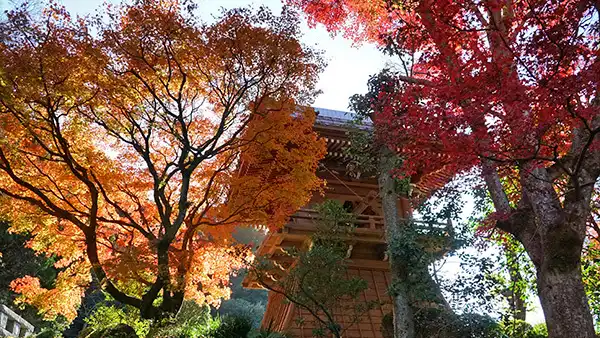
(369, 201)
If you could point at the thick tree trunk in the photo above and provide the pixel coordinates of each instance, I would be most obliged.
(556, 255)
(564, 302)
(404, 326)
(561, 229)
(552, 232)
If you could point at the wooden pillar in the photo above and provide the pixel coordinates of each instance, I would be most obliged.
(404, 207)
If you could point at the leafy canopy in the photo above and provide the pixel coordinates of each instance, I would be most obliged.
(134, 151)
(504, 80)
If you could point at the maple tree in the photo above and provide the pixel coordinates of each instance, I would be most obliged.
(135, 142)
(506, 86)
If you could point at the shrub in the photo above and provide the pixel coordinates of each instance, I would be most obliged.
(232, 327)
(266, 333)
(192, 321)
(537, 331)
(106, 317)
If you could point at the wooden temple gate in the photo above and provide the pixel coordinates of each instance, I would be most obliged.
(367, 256)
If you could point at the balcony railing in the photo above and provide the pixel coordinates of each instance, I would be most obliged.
(371, 222)
(12, 325)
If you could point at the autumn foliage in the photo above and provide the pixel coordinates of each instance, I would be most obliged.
(133, 144)
(510, 88)
(477, 69)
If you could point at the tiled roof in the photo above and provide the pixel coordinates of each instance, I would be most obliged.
(426, 184)
(338, 114)
(335, 117)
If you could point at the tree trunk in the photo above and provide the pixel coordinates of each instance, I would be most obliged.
(564, 302)
(404, 326)
(557, 257)
(552, 232)
(561, 229)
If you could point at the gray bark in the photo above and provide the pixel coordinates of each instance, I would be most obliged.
(553, 234)
(561, 229)
(404, 326)
(565, 303)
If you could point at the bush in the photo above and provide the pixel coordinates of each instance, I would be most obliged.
(193, 320)
(537, 331)
(521, 329)
(107, 317)
(232, 327)
(117, 331)
(266, 333)
(240, 307)
(474, 325)
(48, 333)
(430, 323)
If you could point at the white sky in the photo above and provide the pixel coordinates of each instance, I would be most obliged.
(348, 70)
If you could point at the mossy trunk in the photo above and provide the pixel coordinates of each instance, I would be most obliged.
(403, 322)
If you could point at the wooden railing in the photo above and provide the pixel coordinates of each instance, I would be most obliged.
(362, 221)
(12, 325)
